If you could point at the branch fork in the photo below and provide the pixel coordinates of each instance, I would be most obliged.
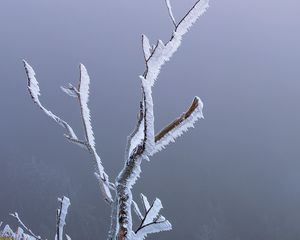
(143, 142)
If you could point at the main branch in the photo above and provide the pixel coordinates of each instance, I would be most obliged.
(143, 143)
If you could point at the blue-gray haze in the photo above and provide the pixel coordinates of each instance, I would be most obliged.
(235, 176)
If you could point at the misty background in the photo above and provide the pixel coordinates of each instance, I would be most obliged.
(234, 177)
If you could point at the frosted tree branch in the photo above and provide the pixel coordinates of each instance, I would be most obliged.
(141, 146)
(19, 234)
(34, 91)
(61, 217)
(16, 216)
(179, 125)
(142, 143)
(152, 221)
(170, 12)
(147, 49)
(83, 96)
(82, 93)
(136, 137)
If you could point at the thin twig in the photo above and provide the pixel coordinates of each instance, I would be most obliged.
(16, 216)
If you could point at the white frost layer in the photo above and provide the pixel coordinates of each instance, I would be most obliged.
(146, 47)
(83, 94)
(135, 138)
(153, 212)
(84, 98)
(162, 53)
(7, 232)
(16, 216)
(62, 214)
(34, 90)
(137, 210)
(154, 228)
(83, 90)
(152, 222)
(170, 11)
(149, 117)
(155, 59)
(181, 128)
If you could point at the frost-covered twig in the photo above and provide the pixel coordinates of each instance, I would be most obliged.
(170, 12)
(143, 143)
(8, 233)
(152, 221)
(61, 215)
(83, 96)
(34, 91)
(21, 235)
(179, 126)
(82, 93)
(16, 216)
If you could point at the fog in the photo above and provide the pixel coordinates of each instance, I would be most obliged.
(234, 177)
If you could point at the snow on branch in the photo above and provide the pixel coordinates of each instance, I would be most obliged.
(82, 93)
(70, 90)
(61, 215)
(152, 221)
(137, 136)
(191, 16)
(83, 96)
(147, 49)
(163, 52)
(20, 234)
(170, 12)
(142, 143)
(149, 136)
(34, 90)
(16, 216)
(179, 126)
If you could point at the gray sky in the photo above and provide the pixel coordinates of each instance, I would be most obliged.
(235, 175)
